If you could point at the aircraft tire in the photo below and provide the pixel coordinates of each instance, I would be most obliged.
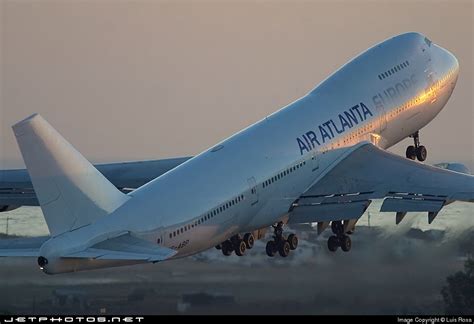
(271, 248)
(240, 248)
(249, 240)
(346, 243)
(411, 152)
(421, 153)
(227, 248)
(284, 249)
(333, 243)
(293, 241)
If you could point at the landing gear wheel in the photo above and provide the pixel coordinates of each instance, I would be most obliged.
(240, 248)
(249, 240)
(219, 246)
(227, 248)
(293, 241)
(411, 152)
(333, 243)
(271, 248)
(284, 249)
(337, 227)
(421, 153)
(346, 243)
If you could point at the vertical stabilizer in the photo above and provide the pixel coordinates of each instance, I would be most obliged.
(71, 192)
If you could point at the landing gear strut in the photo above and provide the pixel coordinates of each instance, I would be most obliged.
(417, 151)
(280, 243)
(340, 239)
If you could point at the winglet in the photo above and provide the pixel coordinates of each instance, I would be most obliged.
(71, 192)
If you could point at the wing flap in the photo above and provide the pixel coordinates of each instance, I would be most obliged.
(328, 212)
(411, 205)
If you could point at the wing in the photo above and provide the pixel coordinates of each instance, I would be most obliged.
(125, 247)
(364, 172)
(16, 188)
(22, 247)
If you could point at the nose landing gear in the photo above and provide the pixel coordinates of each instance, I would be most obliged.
(416, 151)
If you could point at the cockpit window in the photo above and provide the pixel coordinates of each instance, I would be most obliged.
(427, 41)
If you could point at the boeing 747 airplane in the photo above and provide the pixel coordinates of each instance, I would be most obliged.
(321, 159)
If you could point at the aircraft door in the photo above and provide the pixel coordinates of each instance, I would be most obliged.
(160, 238)
(314, 161)
(253, 190)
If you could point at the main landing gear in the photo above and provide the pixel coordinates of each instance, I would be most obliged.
(340, 239)
(237, 244)
(417, 151)
(281, 244)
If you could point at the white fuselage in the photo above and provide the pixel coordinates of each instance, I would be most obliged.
(250, 180)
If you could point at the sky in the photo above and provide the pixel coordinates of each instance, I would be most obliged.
(132, 80)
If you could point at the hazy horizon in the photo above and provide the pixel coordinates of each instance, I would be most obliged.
(131, 80)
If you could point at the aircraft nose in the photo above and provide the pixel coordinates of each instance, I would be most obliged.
(448, 59)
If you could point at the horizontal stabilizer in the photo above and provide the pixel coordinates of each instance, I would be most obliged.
(125, 247)
(22, 247)
(19, 253)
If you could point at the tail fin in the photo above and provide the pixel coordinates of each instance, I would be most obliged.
(71, 192)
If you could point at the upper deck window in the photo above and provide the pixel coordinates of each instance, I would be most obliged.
(395, 69)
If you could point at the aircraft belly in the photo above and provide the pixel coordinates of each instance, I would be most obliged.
(270, 213)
